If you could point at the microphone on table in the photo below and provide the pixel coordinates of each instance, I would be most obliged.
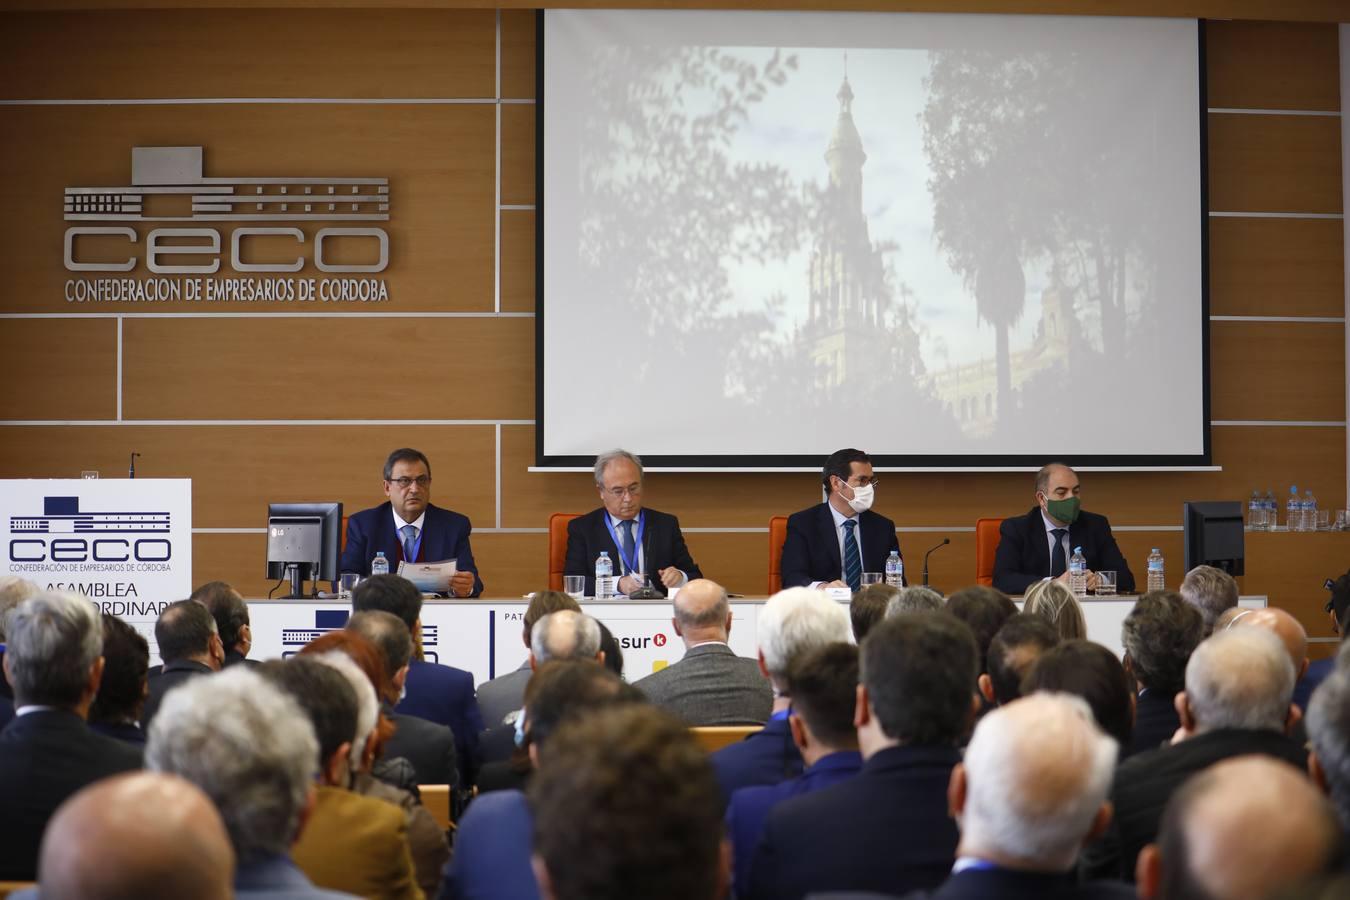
(945, 542)
(131, 473)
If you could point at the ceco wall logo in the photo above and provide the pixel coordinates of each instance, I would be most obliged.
(199, 236)
(114, 541)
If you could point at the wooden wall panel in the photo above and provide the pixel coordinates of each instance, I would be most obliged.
(257, 53)
(518, 260)
(1290, 569)
(518, 153)
(512, 565)
(1280, 371)
(1276, 267)
(1273, 65)
(438, 159)
(328, 368)
(518, 53)
(59, 369)
(237, 470)
(1274, 163)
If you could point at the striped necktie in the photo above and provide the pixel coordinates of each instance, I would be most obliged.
(852, 561)
(409, 533)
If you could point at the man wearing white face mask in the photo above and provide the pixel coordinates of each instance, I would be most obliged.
(832, 543)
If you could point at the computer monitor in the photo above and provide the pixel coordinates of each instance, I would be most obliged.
(1213, 535)
(304, 541)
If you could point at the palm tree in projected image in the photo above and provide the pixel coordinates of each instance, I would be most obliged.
(1000, 296)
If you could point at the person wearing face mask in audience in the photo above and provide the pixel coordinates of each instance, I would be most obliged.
(1040, 544)
(832, 543)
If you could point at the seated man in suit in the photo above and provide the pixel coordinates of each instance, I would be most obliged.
(13, 590)
(54, 660)
(501, 698)
(1160, 634)
(1031, 790)
(887, 829)
(1039, 544)
(228, 608)
(116, 710)
(1212, 591)
(440, 693)
(1248, 827)
(408, 528)
(792, 622)
(711, 685)
(640, 541)
(832, 543)
(189, 645)
(1329, 741)
(1013, 651)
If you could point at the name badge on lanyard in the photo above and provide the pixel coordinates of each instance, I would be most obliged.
(630, 564)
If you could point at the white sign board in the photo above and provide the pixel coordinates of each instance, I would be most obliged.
(126, 543)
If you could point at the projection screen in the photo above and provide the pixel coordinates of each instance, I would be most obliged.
(951, 240)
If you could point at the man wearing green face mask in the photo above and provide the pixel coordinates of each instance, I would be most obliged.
(1039, 544)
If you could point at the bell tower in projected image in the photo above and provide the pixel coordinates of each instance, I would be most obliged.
(848, 287)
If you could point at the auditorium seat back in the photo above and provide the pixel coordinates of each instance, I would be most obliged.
(986, 545)
(557, 548)
(777, 535)
(436, 799)
(714, 737)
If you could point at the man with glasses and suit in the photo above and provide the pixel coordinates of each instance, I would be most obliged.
(832, 543)
(407, 527)
(640, 541)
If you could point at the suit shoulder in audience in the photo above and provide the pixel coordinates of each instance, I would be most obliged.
(358, 844)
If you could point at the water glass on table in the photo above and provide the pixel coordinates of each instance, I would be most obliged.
(575, 586)
(1106, 583)
(347, 583)
(871, 578)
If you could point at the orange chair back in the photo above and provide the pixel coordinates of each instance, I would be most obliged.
(714, 737)
(986, 545)
(557, 548)
(777, 535)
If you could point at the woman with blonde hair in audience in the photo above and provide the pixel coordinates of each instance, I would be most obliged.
(1054, 602)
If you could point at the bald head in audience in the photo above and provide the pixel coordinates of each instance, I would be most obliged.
(565, 634)
(702, 612)
(1283, 626)
(1032, 788)
(1239, 830)
(137, 836)
(1239, 678)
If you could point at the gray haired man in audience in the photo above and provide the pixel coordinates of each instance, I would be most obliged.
(13, 590)
(54, 660)
(711, 685)
(1211, 591)
(565, 634)
(914, 598)
(253, 751)
(1329, 732)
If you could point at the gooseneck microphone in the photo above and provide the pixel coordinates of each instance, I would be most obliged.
(131, 472)
(945, 542)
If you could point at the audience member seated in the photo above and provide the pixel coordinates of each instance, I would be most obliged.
(189, 645)
(1160, 634)
(1031, 790)
(868, 607)
(823, 683)
(54, 660)
(349, 843)
(426, 838)
(1012, 652)
(984, 610)
(1054, 602)
(1338, 611)
(1211, 591)
(887, 829)
(1329, 735)
(1283, 626)
(116, 710)
(428, 746)
(627, 807)
(500, 699)
(13, 591)
(493, 842)
(252, 750)
(710, 685)
(439, 693)
(914, 598)
(1236, 702)
(1093, 673)
(135, 836)
(228, 608)
(610, 653)
(791, 622)
(1242, 830)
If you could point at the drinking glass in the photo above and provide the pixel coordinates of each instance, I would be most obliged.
(575, 586)
(1324, 520)
(347, 583)
(1106, 583)
(871, 578)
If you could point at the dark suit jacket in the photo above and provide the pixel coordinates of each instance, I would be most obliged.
(444, 694)
(492, 851)
(982, 884)
(5, 689)
(45, 756)
(6, 711)
(1144, 783)
(885, 830)
(128, 732)
(1155, 721)
(711, 685)
(1318, 670)
(811, 550)
(662, 546)
(428, 746)
(1023, 555)
(766, 757)
(504, 695)
(169, 677)
(445, 535)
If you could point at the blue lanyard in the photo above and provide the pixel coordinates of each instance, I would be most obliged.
(637, 540)
(417, 545)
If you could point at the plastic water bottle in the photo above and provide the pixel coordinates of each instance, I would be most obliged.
(379, 565)
(1078, 573)
(1156, 582)
(604, 576)
(1272, 511)
(1256, 513)
(1293, 510)
(1309, 511)
(895, 570)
